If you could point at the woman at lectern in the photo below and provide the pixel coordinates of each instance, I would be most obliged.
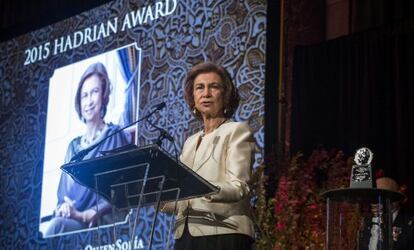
(78, 207)
(222, 153)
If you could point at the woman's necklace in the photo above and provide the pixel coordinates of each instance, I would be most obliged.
(221, 123)
(89, 141)
(203, 133)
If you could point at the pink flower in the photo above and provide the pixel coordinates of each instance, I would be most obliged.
(280, 226)
(379, 173)
(278, 208)
(313, 206)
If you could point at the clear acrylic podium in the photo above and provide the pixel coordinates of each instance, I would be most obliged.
(133, 177)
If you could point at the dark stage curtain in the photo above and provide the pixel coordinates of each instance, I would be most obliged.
(375, 13)
(358, 91)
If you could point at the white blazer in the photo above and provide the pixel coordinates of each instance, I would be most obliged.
(224, 158)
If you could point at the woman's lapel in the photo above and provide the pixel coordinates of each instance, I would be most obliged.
(204, 150)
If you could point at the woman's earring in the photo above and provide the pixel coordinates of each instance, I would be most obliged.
(225, 111)
(194, 111)
(102, 113)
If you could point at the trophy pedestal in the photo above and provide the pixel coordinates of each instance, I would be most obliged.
(362, 209)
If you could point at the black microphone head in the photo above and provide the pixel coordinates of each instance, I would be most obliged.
(160, 106)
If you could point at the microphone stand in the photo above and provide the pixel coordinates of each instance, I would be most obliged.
(164, 135)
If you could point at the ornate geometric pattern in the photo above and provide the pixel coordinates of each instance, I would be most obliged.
(230, 33)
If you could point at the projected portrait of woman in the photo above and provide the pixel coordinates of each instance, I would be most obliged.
(78, 207)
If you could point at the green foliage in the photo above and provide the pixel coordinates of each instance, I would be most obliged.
(263, 212)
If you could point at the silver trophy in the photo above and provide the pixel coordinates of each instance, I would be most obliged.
(361, 175)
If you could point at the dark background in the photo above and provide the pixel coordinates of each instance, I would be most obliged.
(18, 17)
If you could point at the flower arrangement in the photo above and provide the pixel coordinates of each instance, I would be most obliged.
(298, 217)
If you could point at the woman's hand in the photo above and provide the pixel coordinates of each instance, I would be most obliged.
(67, 209)
(89, 217)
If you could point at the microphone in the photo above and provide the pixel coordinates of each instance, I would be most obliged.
(81, 154)
(159, 106)
(166, 135)
(163, 133)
